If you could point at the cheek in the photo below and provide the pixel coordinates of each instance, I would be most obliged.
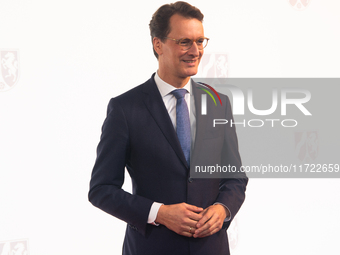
(181, 55)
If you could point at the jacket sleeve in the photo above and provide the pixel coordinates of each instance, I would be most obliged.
(107, 177)
(232, 185)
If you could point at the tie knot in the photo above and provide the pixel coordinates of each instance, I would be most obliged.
(179, 93)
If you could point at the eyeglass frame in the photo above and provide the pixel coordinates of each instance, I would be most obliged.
(179, 40)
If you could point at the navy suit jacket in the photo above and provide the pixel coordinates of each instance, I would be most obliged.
(138, 134)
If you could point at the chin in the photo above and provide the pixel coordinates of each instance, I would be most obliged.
(191, 71)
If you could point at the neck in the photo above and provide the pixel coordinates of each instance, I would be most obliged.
(177, 82)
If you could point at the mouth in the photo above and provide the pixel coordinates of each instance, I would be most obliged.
(190, 62)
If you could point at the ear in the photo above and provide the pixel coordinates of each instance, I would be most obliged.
(157, 45)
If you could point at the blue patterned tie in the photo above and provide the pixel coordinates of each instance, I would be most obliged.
(183, 122)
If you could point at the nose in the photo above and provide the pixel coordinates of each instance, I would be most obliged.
(194, 50)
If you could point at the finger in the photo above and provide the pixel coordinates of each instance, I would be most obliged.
(207, 233)
(206, 217)
(210, 230)
(210, 227)
(194, 216)
(206, 226)
(191, 223)
(191, 230)
(194, 208)
(214, 229)
(209, 223)
(188, 231)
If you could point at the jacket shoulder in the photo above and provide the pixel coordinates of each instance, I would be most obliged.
(135, 93)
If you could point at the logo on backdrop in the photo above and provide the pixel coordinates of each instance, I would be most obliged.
(307, 145)
(204, 97)
(214, 65)
(233, 234)
(9, 62)
(299, 4)
(17, 247)
(243, 103)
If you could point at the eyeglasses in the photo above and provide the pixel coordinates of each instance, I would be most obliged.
(186, 43)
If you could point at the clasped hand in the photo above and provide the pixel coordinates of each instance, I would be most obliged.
(192, 221)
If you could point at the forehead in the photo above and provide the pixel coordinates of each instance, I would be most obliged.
(185, 27)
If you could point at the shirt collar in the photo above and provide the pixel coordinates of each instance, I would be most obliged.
(165, 88)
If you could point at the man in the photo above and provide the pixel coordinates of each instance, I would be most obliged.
(169, 212)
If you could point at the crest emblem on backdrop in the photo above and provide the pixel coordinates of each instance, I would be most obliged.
(233, 234)
(306, 145)
(299, 4)
(9, 65)
(15, 247)
(214, 65)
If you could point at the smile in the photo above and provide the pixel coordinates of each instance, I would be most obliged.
(189, 61)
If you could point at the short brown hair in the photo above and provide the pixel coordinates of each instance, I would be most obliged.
(160, 22)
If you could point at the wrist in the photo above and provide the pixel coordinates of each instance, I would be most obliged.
(160, 215)
(223, 210)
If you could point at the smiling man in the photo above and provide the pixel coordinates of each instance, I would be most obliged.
(148, 131)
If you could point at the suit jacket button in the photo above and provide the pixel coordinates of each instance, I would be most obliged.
(190, 180)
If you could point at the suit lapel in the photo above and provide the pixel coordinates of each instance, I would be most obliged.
(155, 105)
(201, 120)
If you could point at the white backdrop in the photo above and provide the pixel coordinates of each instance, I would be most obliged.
(73, 56)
